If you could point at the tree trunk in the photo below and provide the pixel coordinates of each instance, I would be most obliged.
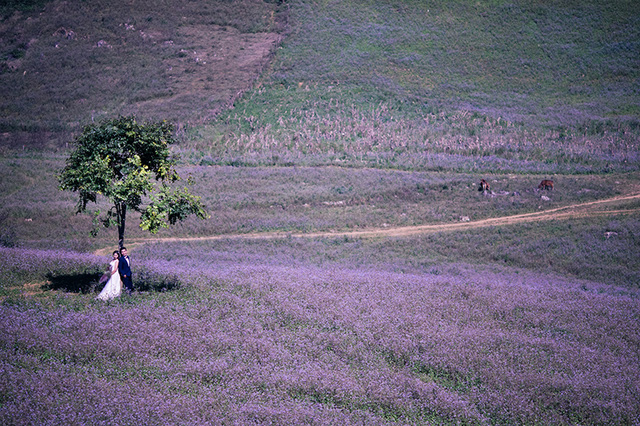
(122, 218)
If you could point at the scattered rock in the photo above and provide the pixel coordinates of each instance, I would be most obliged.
(63, 32)
(14, 65)
(103, 43)
(545, 198)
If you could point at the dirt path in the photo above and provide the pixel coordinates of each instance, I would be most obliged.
(589, 209)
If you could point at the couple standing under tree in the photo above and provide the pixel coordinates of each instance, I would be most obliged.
(119, 273)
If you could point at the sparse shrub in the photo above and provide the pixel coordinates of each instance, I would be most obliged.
(8, 236)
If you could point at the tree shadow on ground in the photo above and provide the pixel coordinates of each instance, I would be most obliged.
(88, 283)
(72, 283)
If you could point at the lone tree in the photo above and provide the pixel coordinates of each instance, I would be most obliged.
(117, 159)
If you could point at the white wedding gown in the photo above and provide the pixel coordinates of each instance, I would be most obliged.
(113, 287)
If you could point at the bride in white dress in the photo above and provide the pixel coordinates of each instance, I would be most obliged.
(113, 288)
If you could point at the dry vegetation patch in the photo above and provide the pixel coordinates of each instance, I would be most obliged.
(210, 68)
(72, 62)
(31, 289)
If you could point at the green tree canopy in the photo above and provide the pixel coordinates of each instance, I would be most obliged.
(117, 159)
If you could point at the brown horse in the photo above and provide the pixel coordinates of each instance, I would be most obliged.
(484, 186)
(546, 184)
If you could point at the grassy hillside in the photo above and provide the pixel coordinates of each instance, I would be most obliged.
(377, 84)
(398, 83)
(512, 86)
(558, 63)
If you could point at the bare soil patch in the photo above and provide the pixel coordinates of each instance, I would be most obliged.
(73, 62)
(213, 67)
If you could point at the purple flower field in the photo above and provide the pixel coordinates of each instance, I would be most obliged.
(249, 343)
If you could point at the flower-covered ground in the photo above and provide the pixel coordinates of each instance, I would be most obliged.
(253, 343)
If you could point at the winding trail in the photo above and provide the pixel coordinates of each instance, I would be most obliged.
(588, 209)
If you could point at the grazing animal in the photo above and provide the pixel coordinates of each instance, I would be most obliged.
(546, 184)
(484, 186)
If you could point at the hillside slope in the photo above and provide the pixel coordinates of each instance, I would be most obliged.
(71, 62)
(515, 86)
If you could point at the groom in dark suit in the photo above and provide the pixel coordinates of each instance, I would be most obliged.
(124, 267)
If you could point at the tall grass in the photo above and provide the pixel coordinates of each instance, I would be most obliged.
(288, 200)
(383, 136)
(603, 249)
